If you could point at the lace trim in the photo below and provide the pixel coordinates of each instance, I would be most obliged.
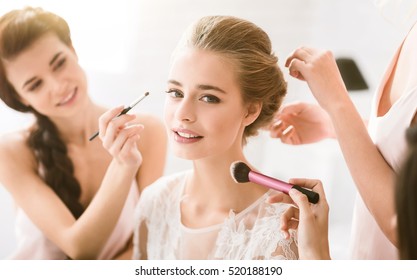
(263, 241)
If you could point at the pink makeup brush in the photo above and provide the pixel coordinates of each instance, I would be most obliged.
(242, 173)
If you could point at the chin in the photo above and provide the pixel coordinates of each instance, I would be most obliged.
(185, 155)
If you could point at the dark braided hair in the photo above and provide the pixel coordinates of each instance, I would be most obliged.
(18, 30)
(406, 200)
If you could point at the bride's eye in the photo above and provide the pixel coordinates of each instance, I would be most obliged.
(210, 99)
(175, 93)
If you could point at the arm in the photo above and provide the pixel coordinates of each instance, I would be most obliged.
(153, 147)
(127, 253)
(372, 175)
(85, 237)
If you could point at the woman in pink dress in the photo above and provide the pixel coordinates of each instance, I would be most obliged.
(374, 153)
(311, 220)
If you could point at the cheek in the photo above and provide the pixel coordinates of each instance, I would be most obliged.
(39, 102)
(227, 124)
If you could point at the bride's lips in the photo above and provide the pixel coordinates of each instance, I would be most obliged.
(68, 99)
(186, 136)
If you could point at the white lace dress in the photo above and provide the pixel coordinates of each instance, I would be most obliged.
(251, 234)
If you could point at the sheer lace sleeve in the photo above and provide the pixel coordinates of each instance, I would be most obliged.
(251, 234)
(256, 235)
(158, 211)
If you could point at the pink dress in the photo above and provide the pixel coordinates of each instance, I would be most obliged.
(32, 244)
(388, 133)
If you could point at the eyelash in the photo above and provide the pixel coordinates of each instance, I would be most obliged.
(35, 85)
(58, 65)
(211, 99)
(171, 91)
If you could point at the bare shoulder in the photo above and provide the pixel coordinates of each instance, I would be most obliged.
(15, 155)
(14, 143)
(149, 120)
(154, 128)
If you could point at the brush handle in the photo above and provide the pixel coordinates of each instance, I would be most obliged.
(124, 111)
(281, 186)
(312, 196)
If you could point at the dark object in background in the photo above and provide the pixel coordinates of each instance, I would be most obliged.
(351, 75)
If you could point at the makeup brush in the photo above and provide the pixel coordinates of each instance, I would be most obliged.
(242, 173)
(124, 111)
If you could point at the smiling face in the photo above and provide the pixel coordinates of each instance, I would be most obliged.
(48, 78)
(204, 112)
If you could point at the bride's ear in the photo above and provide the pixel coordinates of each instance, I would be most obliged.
(253, 111)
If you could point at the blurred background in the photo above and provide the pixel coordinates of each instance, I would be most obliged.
(125, 46)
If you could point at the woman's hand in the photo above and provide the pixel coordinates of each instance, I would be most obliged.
(319, 69)
(301, 123)
(311, 220)
(119, 136)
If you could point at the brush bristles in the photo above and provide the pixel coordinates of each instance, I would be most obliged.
(240, 172)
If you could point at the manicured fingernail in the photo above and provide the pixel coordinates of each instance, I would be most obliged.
(277, 123)
(288, 129)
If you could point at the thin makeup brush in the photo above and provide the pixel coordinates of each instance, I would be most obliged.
(242, 173)
(124, 111)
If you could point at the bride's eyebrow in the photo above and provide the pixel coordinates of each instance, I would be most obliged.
(200, 87)
(210, 87)
(55, 58)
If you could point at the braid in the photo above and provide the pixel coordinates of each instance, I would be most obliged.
(51, 153)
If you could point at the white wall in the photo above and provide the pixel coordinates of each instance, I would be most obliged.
(125, 47)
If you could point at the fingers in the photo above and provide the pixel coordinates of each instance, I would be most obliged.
(289, 220)
(126, 134)
(129, 147)
(280, 129)
(301, 200)
(285, 132)
(296, 62)
(106, 118)
(296, 69)
(120, 136)
(313, 184)
(283, 126)
(301, 54)
(280, 197)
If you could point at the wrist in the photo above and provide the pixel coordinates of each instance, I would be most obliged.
(125, 168)
(315, 255)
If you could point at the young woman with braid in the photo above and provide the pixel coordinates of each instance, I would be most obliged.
(75, 198)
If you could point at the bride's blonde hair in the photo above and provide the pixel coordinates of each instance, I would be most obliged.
(250, 49)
